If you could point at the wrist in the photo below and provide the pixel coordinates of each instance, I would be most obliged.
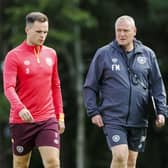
(61, 117)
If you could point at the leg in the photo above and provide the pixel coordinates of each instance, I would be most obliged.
(136, 139)
(50, 156)
(132, 158)
(119, 156)
(21, 161)
(48, 143)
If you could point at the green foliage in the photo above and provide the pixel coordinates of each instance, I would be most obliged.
(158, 11)
(4, 108)
(78, 16)
(48, 4)
(63, 36)
(157, 4)
(16, 14)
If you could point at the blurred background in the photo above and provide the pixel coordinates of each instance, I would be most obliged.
(77, 29)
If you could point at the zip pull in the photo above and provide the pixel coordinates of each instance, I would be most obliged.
(37, 53)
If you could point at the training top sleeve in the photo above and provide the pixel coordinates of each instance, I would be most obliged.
(56, 90)
(9, 81)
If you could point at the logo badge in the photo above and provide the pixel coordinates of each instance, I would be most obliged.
(115, 138)
(114, 60)
(49, 61)
(141, 60)
(26, 62)
(20, 149)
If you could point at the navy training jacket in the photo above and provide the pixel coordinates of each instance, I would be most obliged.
(119, 88)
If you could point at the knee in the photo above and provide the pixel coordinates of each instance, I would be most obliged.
(131, 163)
(120, 158)
(20, 164)
(52, 163)
(21, 161)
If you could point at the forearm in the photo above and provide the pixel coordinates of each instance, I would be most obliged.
(13, 98)
(58, 103)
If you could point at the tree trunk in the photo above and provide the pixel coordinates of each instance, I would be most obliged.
(80, 144)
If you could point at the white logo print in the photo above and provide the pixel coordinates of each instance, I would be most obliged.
(115, 67)
(143, 138)
(56, 141)
(26, 62)
(27, 70)
(56, 135)
(140, 146)
(115, 138)
(20, 149)
(114, 60)
(49, 61)
(141, 60)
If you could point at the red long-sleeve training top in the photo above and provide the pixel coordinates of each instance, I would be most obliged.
(31, 80)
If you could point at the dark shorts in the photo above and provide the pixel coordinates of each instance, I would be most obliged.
(134, 137)
(26, 136)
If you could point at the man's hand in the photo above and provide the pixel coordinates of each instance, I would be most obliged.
(160, 120)
(61, 126)
(97, 120)
(25, 115)
(61, 123)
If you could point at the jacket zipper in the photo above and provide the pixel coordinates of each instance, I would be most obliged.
(37, 54)
(130, 91)
(129, 63)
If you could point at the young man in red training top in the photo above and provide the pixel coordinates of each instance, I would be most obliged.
(32, 86)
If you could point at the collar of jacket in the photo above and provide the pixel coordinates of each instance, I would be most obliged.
(137, 46)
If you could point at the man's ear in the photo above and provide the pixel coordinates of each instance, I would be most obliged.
(26, 29)
(135, 31)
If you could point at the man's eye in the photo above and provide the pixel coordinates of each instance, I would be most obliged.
(41, 32)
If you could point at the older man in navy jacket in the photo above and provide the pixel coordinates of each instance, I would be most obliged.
(124, 74)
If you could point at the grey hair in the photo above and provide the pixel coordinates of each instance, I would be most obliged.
(126, 17)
